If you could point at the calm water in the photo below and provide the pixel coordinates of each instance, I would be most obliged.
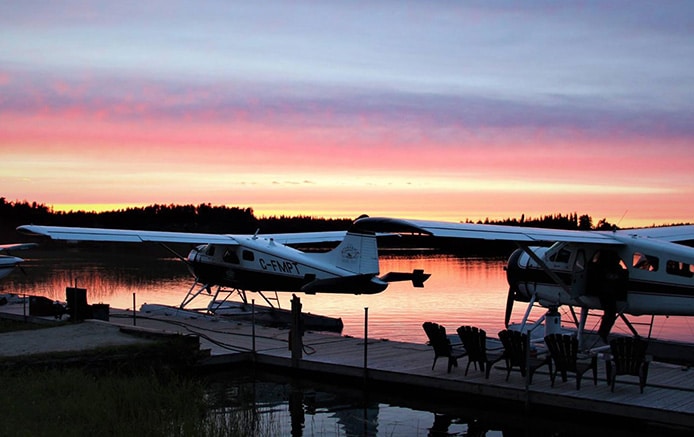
(460, 291)
(266, 405)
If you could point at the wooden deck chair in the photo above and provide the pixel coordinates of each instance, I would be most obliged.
(475, 343)
(563, 349)
(441, 344)
(628, 358)
(516, 354)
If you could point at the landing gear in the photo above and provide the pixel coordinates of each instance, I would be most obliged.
(216, 302)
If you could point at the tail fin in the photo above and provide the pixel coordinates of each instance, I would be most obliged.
(357, 253)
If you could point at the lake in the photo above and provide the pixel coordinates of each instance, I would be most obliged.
(460, 291)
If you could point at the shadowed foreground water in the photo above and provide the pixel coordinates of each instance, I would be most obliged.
(272, 405)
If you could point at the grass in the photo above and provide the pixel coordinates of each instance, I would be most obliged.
(74, 403)
(116, 391)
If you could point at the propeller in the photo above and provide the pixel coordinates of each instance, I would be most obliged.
(606, 323)
(510, 297)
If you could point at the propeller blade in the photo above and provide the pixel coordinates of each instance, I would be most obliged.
(510, 297)
(606, 323)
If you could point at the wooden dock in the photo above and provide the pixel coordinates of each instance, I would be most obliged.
(668, 398)
(390, 366)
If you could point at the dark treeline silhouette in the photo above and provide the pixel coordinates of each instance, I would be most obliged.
(557, 221)
(204, 218)
(209, 218)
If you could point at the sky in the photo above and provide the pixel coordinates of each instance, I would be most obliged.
(445, 110)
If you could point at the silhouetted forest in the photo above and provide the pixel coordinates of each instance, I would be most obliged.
(222, 219)
(207, 218)
(204, 218)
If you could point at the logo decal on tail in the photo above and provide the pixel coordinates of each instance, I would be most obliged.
(350, 253)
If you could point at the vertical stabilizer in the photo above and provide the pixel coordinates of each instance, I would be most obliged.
(357, 253)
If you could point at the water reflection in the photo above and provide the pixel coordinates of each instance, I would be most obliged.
(267, 404)
(460, 291)
(272, 406)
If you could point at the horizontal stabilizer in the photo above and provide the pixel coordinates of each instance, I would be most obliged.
(417, 277)
(356, 284)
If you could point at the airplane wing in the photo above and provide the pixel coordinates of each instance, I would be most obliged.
(483, 232)
(673, 234)
(122, 235)
(307, 237)
(16, 246)
(139, 236)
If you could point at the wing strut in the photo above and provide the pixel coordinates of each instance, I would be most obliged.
(192, 295)
(176, 254)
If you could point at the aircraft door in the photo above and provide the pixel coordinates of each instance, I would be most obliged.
(579, 277)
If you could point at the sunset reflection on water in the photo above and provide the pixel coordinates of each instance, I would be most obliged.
(460, 291)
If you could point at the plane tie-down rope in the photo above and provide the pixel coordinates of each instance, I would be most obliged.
(196, 330)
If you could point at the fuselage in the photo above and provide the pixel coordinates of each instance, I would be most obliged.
(260, 264)
(640, 276)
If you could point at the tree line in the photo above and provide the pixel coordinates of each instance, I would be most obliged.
(203, 218)
(208, 218)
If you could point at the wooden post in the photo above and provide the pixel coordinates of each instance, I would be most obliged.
(296, 333)
(253, 322)
(366, 340)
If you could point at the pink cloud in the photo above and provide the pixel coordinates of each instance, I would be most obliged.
(172, 140)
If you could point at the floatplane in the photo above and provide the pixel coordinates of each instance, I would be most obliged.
(630, 272)
(9, 263)
(258, 263)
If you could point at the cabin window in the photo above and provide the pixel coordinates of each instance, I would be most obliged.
(562, 256)
(248, 255)
(607, 257)
(230, 256)
(645, 262)
(679, 269)
(580, 262)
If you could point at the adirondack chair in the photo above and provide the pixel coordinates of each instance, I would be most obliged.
(563, 350)
(442, 345)
(475, 343)
(516, 354)
(628, 358)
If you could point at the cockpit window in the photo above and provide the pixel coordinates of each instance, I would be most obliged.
(679, 269)
(248, 255)
(645, 262)
(230, 256)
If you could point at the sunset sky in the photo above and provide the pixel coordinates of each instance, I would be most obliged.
(440, 110)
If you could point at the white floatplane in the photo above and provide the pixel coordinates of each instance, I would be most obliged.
(646, 271)
(261, 263)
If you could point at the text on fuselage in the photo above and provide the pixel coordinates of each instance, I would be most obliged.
(279, 266)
